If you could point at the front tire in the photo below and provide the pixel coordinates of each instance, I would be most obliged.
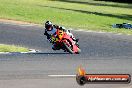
(68, 48)
(79, 51)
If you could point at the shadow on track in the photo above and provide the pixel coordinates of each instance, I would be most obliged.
(35, 53)
(46, 53)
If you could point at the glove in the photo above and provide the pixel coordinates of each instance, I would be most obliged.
(44, 33)
(50, 40)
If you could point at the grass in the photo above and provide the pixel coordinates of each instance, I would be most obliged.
(12, 48)
(84, 14)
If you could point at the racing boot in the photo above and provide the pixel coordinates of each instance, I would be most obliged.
(54, 47)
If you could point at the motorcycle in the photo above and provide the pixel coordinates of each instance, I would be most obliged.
(65, 42)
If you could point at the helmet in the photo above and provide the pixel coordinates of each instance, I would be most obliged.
(48, 25)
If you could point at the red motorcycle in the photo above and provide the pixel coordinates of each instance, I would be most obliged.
(65, 42)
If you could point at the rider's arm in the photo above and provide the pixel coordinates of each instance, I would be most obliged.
(48, 36)
(45, 33)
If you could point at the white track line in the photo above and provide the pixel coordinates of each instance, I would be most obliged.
(5, 53)
(30, 51)
(90, 31)
(19, 24)
(99, 32)
(62, 75)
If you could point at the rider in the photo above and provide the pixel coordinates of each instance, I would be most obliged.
(51, 29)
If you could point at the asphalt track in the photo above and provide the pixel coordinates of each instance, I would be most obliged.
(101, 53)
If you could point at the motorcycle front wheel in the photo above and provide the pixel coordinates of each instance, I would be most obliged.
(68, 46)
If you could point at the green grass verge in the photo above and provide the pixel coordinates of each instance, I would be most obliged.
(12, 48)
(84, 14)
